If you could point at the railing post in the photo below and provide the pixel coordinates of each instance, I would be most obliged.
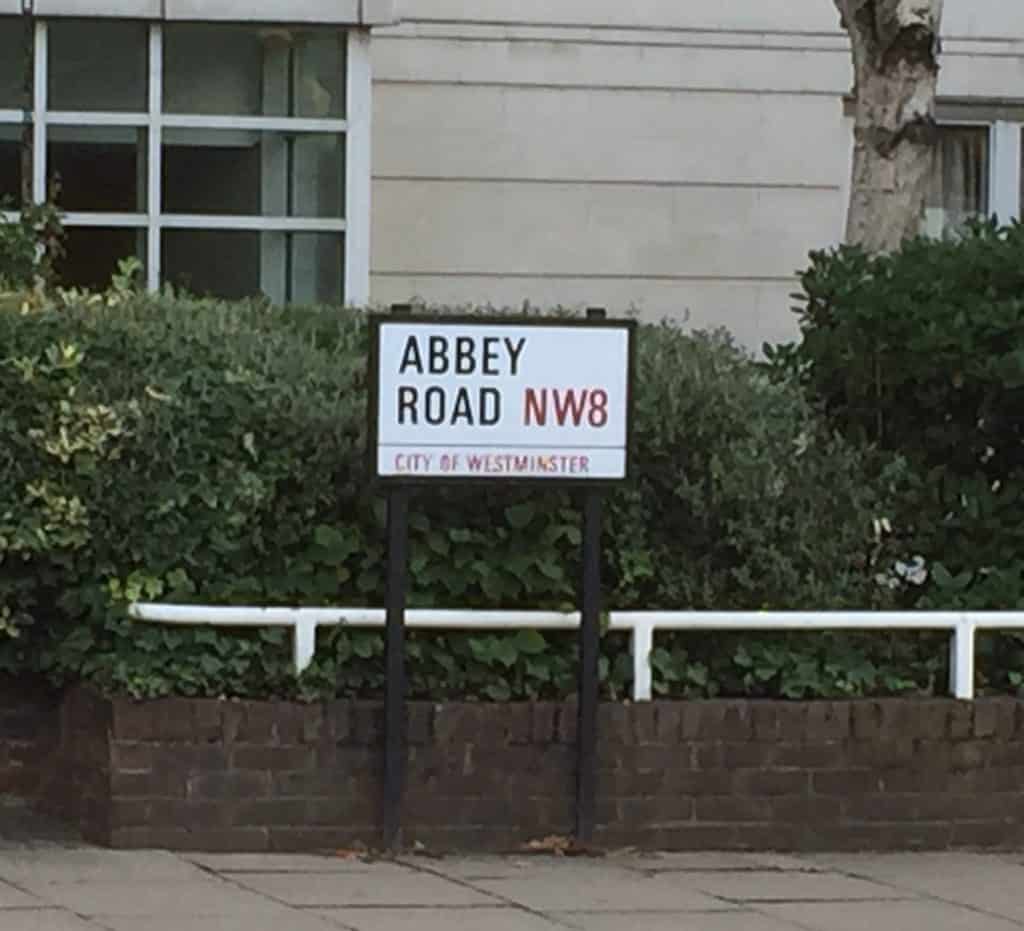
(642, 643)
(304, 645)
(961, 660)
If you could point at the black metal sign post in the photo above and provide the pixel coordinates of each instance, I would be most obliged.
(589, 669)
(419, 456)
(394, 700)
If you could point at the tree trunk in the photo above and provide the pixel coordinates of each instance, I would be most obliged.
(896, 68)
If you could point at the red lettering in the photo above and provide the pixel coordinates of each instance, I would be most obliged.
(536, 408)
(570, 404)
(598, 408)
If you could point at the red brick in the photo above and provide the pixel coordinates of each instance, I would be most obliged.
(645, 813)
(545, 722)
(419, 723)
(147, 783)
(338, 720)
(233, 840)
(827, 721)
(645, 723)
(614, 725)
(270, 812)
(764, 716)
(827, 755)
(995, 717)
(229, 784)
(770, 782)
(367, 723)
(291, 839)
(274, 759)
(724, 720)
(321, 812)
(960, 720)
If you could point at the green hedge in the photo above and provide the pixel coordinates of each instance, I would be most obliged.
(922, 352)
(195, 451)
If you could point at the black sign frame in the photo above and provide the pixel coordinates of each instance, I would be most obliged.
(418, 481)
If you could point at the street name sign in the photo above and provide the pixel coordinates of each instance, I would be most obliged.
(499, 399)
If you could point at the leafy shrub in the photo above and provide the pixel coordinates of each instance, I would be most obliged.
(30, 245)
(922, 352)
(194, 451)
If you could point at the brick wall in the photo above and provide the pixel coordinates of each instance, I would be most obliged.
(727, 775)
(28, 736)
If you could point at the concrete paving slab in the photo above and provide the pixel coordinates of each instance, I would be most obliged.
(775, 886)
(44, 919)
(887, 916)
(990, 884)
(290, 920)
(481, 867)
(738, 920)
(597, 888)
(287, 863)
(709, 862)
(361, 889)
(36, 869)
(211, 897)
(11, 897)
(441, 919)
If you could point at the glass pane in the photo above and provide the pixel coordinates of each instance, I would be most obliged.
(98, 65)
(10, 166)
(285, 267)
(92, 254)
(253, 173)
(100, 168)
(959, 184)
(15, 63)
(253, 71)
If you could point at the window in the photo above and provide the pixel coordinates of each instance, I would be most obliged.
(959, 189)
(976, 173)
(230, 159)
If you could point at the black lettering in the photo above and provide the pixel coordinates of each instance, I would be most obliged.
(514, 352)
(407, 404)
(434, 405)
(490, 407)
(465, 357)
(490, 366)
(463, 409)
(411, 357)
(438, 355)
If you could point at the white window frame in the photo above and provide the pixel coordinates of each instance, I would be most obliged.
(1005, 156)
(354, 226)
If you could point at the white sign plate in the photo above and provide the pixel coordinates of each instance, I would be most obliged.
(505, 401)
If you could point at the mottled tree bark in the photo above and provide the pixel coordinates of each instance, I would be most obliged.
(896, 67)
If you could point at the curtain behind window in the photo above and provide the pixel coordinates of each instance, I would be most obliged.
(959, 184)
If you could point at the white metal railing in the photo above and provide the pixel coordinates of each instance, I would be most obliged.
(642, 625)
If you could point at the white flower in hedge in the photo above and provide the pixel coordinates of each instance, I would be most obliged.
(914, 572)
(885, 580)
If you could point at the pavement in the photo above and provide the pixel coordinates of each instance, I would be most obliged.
(50, 882)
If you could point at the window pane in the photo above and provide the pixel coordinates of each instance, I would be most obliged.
(98, 65)
(252, 173)
(92, 255)
(10, 165)
(101, 168)
(15, 65)
(959, 185)
(286, 267)
(254, 71)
